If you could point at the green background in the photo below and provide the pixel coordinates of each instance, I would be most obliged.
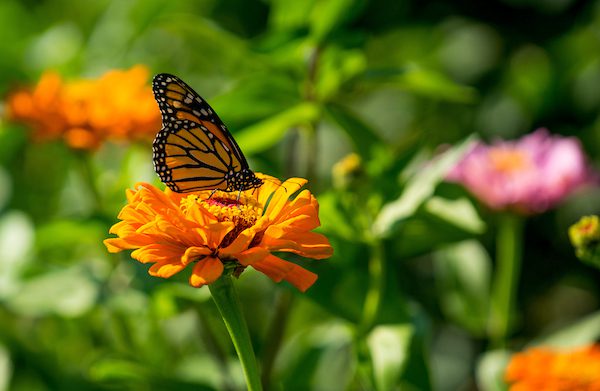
(301, 84)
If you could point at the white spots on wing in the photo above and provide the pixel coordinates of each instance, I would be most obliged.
(204, 112)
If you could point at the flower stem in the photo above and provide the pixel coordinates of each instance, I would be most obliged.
(225, 297)
(376, 287)
(508, 261)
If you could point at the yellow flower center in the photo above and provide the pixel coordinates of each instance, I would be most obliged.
(509, 160)
(243, 212)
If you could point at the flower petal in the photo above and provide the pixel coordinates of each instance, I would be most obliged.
(281, 196)
(158, 252)
(193, 253)
(206, 271)
(166, 270)
(306, 244)
(277, 269)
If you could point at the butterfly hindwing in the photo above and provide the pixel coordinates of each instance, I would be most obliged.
(194, 150)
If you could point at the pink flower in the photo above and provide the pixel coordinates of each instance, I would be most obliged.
(529, 175)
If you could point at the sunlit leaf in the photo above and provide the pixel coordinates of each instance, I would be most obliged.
(16, 241)
(318, 359)
(327, 16)
(68, 293)
(265, 134)
(5, 368)
(418, 189)
(463, 274)
(490, 370)
(390, 349)
(460, 213)
(581, 332)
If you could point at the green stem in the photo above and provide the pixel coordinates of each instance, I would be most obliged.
(225, 297)
(508, 263)
(376, 287)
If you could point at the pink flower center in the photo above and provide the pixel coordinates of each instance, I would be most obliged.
(508, 160)
(223, 202)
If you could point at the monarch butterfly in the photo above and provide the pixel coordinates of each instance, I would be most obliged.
(194, 150)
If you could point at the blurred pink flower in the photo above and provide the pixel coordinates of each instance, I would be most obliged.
(529, 175)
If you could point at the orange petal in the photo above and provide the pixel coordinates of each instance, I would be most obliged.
(193, 253)
(166, 270)
(239, 244)
(278, 269)
(281, 196)
(159, 253)
(252, 255)
(306, 244)
(206, 271)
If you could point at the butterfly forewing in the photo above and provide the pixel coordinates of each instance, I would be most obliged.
(194, 150)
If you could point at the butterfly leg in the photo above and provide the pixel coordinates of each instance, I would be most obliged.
(211, 194)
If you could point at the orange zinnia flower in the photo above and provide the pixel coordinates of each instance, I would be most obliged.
(174, 230)
(548, 370)
(117, 106)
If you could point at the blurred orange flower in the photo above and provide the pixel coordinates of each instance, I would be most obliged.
(549, 370)
(117, 106)
(174, 230)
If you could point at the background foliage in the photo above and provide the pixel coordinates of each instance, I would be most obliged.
(301, 85)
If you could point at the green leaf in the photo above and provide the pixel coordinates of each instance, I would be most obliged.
(265, 134)
(68, 293)
(111, 369)
(328, 16)
(363, 137)
(389, 346)
(435, 85)
(317, 359)
(418, 189)
(582, 332)
(460, 213)
(463, 274)
(5, 368)
(490, 370)
(16, 242)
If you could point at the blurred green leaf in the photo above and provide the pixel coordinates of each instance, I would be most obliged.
(265, 134)
(336, 68)
(256, 97)
(5, 368)
(290, 15)
(318, 359)
(68, 293)
(390, 349)
(328, 16)
(16, 242)
(63, 241)
(111, 369)
(490, 370)
(362, 136)
(463, 274)
(435, 85)
(459, 212)
(582, 332)
(418, 189)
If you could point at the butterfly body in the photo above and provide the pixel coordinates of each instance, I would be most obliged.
(194, 150)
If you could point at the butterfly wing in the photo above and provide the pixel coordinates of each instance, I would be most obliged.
(193, 150)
